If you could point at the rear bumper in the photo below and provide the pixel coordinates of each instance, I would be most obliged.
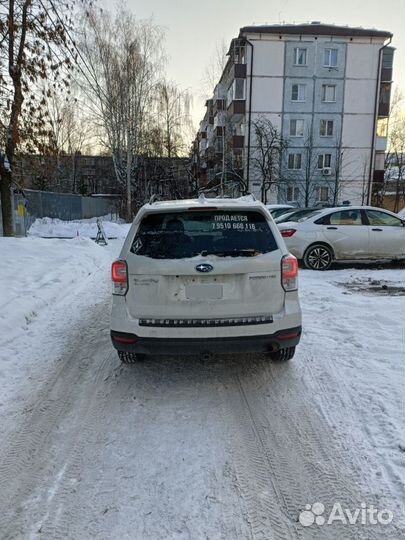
(178, 346)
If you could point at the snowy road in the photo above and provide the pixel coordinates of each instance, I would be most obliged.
(175, 448)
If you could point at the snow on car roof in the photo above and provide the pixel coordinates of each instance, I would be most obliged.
(246, 201)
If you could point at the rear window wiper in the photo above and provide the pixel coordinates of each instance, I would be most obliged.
(232, 252)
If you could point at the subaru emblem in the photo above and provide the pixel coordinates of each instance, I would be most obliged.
(204, 267)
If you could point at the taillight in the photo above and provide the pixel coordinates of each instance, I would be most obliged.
(119, 276)
(286, 233)
(289, 273)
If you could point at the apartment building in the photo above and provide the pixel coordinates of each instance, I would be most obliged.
(325, 89)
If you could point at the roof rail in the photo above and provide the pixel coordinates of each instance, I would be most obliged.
(154, 198)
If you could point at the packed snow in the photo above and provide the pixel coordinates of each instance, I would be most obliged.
(168, 449)
(44, 286)
(114, 227)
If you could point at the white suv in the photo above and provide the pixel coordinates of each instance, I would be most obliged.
(205, 276)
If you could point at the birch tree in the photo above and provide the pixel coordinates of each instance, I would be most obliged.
(174, 117)
(125, 57)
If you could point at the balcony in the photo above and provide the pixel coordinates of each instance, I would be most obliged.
(238, 71)
(219, 105)
(378, 177)
(220, 120)
(386, 75)
(237, 108)
(380, 144)
(384, 100)
(383, 110)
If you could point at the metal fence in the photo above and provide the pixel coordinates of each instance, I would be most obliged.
(66, 206)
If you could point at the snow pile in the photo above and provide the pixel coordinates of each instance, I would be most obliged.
(36, 273)
(402, 212)
(57, 228)
(44, 287)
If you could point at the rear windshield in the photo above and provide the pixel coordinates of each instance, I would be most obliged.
(187, 234)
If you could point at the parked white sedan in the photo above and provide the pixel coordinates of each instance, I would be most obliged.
(345, 233)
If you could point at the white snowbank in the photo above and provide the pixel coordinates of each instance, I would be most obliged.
(44, 287)
(402, 212)
(53, 227)
(36, 273)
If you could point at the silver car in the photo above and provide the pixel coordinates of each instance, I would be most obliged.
(345, 233)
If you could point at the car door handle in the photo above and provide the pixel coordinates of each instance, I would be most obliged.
(332, 228)
(380, 230)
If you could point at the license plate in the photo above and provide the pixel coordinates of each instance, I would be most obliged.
(209, 291)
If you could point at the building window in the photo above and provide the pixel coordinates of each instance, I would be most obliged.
(296, 128)
(330, 57)
(324, 161)
(323, 194)
(300, 56)
(294, 161)
(293, 193)
(219, 145)
(298, 92)
(237, 160)
(326, 128)
(239, 89)
(329, 93)
(236, 91)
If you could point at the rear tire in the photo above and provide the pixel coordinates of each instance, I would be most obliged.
(282, 355)
(318, 257)
(129, 358)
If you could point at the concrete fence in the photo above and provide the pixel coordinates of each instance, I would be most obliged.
(34, 204)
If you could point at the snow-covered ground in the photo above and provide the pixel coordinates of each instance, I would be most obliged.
(53, 227)
(176, 449)
(45, 285)
(354, 334)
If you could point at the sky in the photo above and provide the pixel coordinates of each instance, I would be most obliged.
(194, 29)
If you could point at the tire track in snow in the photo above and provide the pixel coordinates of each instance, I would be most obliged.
(285, 456)
(39, 451)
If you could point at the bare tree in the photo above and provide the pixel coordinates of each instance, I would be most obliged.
(395, 172)
(395, 156)
(267, 152)
(174, 117)
(125, 57)
(214, 68)
(315, 174)
(35, 45)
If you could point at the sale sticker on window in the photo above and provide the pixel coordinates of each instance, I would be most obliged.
(236, 222)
